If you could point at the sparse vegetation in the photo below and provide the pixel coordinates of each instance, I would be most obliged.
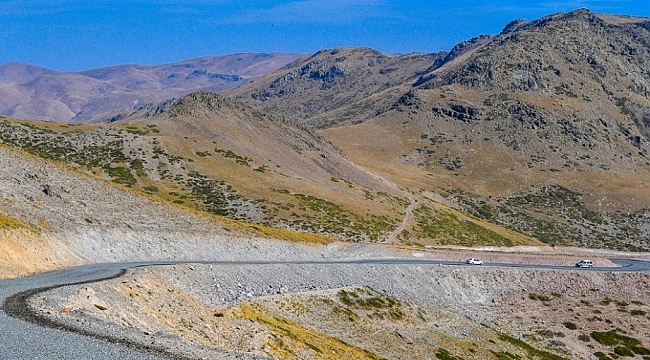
(241, 160)
(325, 217)
(584, 337)
(622, 105)
(377, 305)
(622, 345)
(447, 228)
(534, 296)
(555, 215)
(443, 354)
(532, 351)
(7, 222)
(326, 346)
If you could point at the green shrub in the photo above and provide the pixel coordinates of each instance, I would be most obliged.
(623, 351)
(443, 354)
(571, 326)
(534, 296)
(504, 355)
(584, 337)
(150, 189)
(532, 352)
(640, 350)
(602, 356)
(612, 338)
(606, 301)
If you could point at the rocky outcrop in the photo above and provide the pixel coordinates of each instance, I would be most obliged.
(330, 79)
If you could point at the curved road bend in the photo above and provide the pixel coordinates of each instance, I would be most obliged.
(36, 338)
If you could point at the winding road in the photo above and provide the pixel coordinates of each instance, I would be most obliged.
(25, 335)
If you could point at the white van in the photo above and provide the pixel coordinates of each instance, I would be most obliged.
(585, 264)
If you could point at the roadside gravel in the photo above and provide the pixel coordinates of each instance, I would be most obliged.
(136, 307)
(25, 340)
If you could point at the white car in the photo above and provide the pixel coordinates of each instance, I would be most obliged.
(585, 264)
(474, 261)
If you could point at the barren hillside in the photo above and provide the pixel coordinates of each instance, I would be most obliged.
(531, 146)
(226, 158)
(53, 216)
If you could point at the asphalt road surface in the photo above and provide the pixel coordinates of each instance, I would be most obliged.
(26, 336)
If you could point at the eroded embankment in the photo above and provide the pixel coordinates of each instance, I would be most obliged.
(24, 252)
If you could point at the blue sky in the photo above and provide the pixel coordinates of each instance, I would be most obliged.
(72, 35)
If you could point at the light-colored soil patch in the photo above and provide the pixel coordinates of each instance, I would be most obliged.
(24, 252)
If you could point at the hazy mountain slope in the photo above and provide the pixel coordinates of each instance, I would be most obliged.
(12, 75)
(213, 73)
(329, 79)
(32, 92)
(58, 95)
(528, 129)
(17, 73)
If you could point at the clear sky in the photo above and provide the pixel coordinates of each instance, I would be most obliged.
(72, 35)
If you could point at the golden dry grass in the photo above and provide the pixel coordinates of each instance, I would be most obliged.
(517, 239)
(322, 346)
(7, 222)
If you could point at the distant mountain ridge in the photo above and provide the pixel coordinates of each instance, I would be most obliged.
(33, 92)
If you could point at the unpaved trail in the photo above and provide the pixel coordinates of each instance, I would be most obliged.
(406, 220)
(408, 215)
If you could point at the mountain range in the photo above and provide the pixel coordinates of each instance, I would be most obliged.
(32, 92)
(539, 134)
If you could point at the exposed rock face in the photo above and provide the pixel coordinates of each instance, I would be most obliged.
(330, 79)
(557, 50)
(560, 60)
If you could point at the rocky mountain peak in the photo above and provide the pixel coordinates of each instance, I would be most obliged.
(513, 25)
(332, 78)
(330, 66)
(525, 54)
(202, 102)
(467, 45)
